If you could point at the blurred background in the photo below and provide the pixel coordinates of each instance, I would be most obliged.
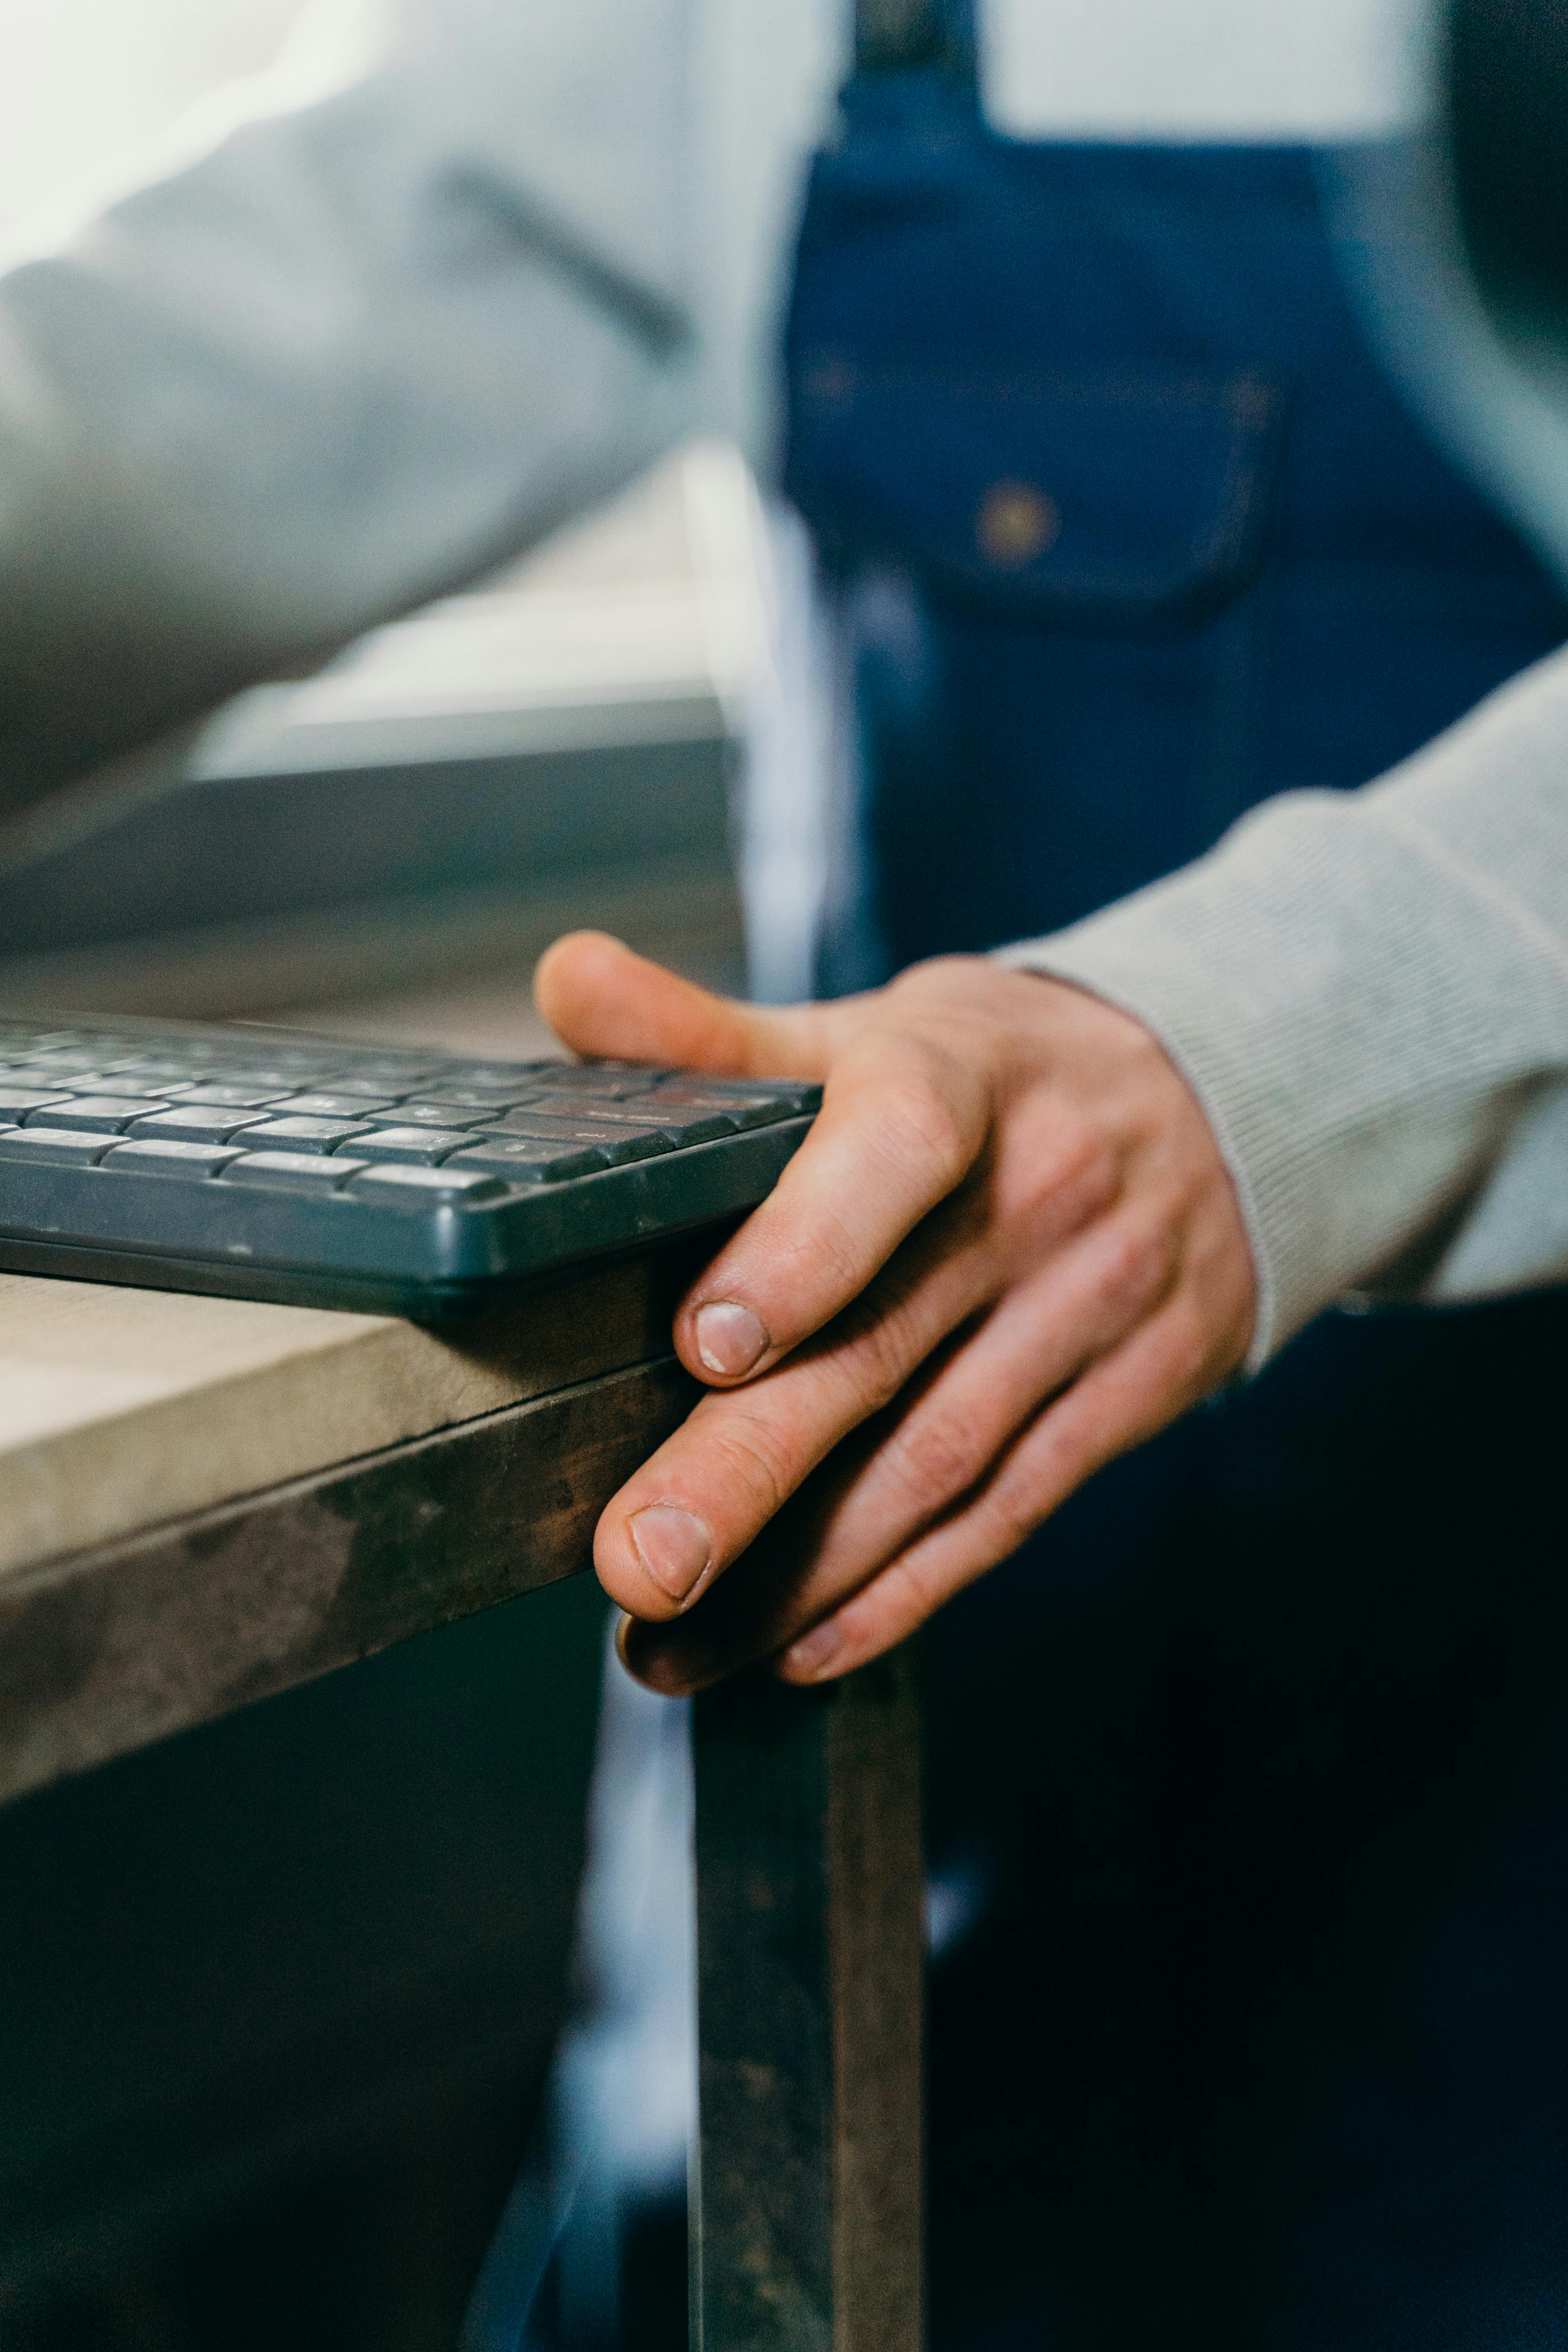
(557, 746)
(89, 85)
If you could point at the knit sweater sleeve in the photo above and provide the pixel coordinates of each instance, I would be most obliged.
(1369, 993)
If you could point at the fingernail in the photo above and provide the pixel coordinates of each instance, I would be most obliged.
(729, 1338)
(814, 1650)
(673, 1546)
(646, 1661)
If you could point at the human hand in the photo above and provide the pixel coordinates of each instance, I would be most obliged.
(1008, 1250)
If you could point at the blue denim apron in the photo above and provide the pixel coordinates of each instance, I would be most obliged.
(1262, 1744)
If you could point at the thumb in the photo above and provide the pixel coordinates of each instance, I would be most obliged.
(600, 998)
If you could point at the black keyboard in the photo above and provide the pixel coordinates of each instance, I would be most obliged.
(265, 1163)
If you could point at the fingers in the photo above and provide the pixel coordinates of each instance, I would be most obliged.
(899, 1129)
(780, 1609)
(916, 1464)
(744, 1616)
(1034, 1344)
(1159, 1370)
(901, 1124)
(601, 999)
(706, 1494)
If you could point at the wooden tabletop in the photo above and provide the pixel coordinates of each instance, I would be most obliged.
(208, 1500)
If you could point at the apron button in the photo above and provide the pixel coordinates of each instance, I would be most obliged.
(1016, 523)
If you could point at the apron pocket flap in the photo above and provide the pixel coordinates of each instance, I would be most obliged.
(1133, 497)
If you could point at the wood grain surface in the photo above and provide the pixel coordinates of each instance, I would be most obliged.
(121, 1408)
(110, 1649)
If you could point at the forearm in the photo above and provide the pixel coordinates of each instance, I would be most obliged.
(1369, 992)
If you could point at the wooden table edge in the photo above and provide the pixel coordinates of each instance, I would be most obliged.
(107, 1650)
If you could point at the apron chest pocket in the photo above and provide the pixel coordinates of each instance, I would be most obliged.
(1132, 500)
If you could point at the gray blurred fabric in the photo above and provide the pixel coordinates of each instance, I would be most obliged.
(377, 337)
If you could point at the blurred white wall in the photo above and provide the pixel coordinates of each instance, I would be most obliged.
(1206, 68)
(84, 84)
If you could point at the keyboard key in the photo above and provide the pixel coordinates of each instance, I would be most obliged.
(603, 1082)
(371, 1060)
(230, 1097)
(15, 1102)
(176, 1074)
(795, 1101)
(133, 1085)
(490, 1099)
(299, 1065)
(423, 1188)
(165, 1159)
(263, 1084)
(421, 1145)
(335, 1106)
(95, 1113)
(296, 1171)
(618, 1144)
(185, 1047)
(685, 1128)
(516, 1081)
(682, 1125)
(181, 1125)
(529, 1163)
(291, 1134)
(56, 1144)
(378, 1090)
(429, 1114)
(748, 1110)
(75, 1082)
(397, 1077)
(780, 1098)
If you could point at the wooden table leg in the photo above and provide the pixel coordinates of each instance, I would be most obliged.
(807, 2191)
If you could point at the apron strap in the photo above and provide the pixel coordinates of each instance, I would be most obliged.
(904, 36)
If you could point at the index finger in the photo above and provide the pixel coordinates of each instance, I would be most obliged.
(901, 1124)
(904, 1117)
